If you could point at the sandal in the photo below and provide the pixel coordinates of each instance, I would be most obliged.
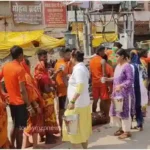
(138, 128)
(124, 136)
(118, 133)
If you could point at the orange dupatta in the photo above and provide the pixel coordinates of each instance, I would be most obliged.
(34, 124)
(31, 86)
(4, 142)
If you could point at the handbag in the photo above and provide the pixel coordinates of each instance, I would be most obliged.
(118, 103)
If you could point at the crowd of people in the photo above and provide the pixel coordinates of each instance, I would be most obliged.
(123, 89)
(118, 78)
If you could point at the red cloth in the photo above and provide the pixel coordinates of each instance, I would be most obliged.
(44, 80)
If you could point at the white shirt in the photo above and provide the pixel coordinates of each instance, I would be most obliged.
(79, 75)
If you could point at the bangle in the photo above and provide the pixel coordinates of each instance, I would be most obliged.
(73, 101)
(29, 108)
(36, 106)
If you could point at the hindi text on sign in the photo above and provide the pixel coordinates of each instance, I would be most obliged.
(55, 14)
(27, 12)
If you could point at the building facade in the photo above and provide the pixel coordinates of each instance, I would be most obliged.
(7, 22)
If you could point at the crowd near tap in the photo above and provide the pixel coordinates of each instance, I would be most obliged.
(116, 77)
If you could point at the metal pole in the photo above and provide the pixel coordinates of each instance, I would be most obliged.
(132, 34)
(89, 36)
(85, 35)
(129, 25)
(76, 20)
(130, 22)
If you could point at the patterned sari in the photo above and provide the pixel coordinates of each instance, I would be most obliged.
(42, 79)
(4, 142)
(34, 124)
(145, 80)
(112, 60)
(135, 63)
(145, 71)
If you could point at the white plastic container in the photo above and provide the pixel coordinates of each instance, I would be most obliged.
(72, 124)
(118, 102)
(103, 80)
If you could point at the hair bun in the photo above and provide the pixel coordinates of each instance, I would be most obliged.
(78, 55)
(81, 54)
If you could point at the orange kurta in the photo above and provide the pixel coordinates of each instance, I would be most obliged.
(70, 67)
(109, 70)
(110, 73)
(96, 70)
(61, 87)
(99, 89)
(14, 74)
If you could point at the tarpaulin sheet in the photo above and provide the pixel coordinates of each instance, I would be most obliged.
(98, 39)
(103, 38)
(24, 39)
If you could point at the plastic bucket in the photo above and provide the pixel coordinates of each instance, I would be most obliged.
(72, 123)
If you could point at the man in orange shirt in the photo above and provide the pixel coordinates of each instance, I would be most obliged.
(62, 79)
(14, 77)
(105, 105)
(98, 70)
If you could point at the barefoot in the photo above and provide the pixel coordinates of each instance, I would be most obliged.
(28, 145)
(50, 139)
(42, 139)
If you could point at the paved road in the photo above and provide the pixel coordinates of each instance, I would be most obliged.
(102, 138)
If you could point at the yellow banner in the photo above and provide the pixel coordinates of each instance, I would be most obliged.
(80, 27)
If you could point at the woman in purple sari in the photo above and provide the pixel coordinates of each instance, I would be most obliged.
(123, 98)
